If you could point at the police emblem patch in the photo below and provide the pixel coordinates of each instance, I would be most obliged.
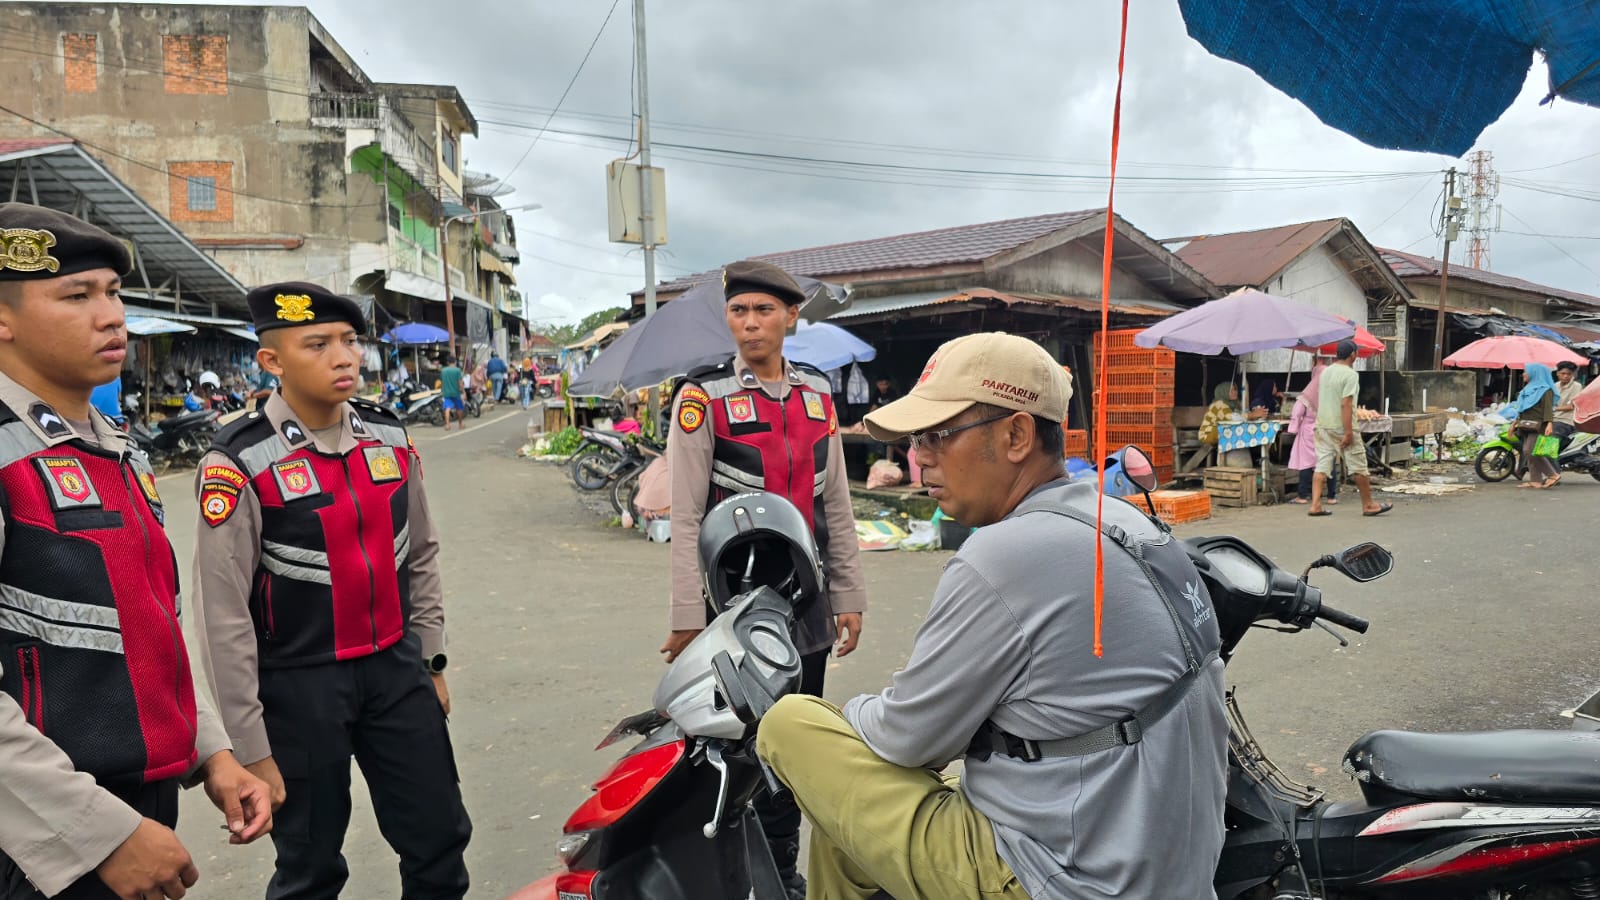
(296, 479)
(27, 250)
(68, 483)
(382, 465)
(814, 407)
(147, 481)
(294, 307)
(217, 503)
(833, 423)
(741, 409)
(691, 415)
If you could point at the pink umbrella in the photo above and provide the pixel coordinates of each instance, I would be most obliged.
(1512, 352)
(1367, 345)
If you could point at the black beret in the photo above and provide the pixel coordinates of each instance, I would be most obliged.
(752, 276)
(37, 243)
(290, 304)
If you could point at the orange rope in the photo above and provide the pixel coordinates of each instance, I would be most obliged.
(1105, 325)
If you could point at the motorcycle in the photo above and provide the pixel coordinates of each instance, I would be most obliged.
(182, 438)
(606, 457)
(413, 403)
(672, 819)
(1508, 815)
(1501, 457)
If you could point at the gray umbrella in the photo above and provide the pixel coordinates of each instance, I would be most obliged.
(684, 333)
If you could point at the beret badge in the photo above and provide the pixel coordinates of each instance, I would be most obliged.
(294, 308)
(27, 250)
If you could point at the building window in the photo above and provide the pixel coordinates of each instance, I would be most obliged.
(195, 63)
(395, 219)
(201, 191)
(80, 53)
(448, 151)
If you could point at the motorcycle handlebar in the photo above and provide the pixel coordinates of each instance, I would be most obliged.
(1344, 619)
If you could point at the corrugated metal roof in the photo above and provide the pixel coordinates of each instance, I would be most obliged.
(63, 173)
(1252, 258)
(921, 249)
(1410, 265)
(880, 305)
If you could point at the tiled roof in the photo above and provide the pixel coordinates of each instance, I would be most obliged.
(922, 249)
(1251, 258)
(13, 145)
(1410, 265)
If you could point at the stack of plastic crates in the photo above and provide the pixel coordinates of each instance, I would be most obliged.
(1139, 397)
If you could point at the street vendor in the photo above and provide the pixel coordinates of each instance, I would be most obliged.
(759, 422)
(1224, 406)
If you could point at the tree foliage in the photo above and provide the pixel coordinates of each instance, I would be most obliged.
(567, 334)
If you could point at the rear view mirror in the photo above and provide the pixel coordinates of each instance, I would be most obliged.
(1137, 466)
(1365, 562)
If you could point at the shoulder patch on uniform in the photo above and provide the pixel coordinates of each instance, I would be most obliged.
(382, 465)
(833, 422)
(217, 503)
(815, 410)
(224, 475)
(691, 415)
(696, 393)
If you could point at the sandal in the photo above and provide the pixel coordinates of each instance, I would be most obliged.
(1379, 511)
(1300, 501)
(1319, 512)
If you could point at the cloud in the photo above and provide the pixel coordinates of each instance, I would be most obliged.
(1012, 85)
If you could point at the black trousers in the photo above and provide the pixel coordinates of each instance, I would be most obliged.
(382, 710)
(780, 818)
(153, 801)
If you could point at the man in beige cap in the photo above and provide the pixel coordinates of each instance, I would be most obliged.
(1085, 777)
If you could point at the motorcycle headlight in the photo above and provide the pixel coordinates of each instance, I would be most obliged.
(571, 846)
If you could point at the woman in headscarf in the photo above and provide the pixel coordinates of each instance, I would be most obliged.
(1303, 425)
(1266, 396)
(1534, 414)
(1224, 403)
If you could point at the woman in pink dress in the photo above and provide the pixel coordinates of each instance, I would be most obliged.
(1303, 424)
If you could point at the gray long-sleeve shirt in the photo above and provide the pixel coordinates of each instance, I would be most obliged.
(1009, 637)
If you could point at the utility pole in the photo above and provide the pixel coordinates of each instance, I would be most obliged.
(647, 222)
(1448, 219)
(444, 267)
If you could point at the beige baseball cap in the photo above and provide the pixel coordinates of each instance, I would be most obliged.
(1000, 369)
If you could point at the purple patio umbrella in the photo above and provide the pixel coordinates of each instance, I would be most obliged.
(1243, 322)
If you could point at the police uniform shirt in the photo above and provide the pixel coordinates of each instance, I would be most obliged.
(56, 823)
(227, 555)
(690, 454)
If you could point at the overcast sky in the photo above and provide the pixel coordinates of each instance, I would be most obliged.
(1014, 85)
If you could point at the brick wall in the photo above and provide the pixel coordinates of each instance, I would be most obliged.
(82, 66)
(178, 175)
(195, 64)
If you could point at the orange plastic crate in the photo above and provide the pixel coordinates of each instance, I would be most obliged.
(1176, 507)
(1077, 443)
(1157, 441)
(1138, 418)
(1139, 358)
(1119, 339)
(1138, 378)
(1140, 397)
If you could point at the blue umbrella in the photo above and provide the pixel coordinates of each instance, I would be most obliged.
(826, 346)
(1425, 75)
(417, 333)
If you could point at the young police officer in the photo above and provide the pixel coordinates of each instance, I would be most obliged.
(754, 423)
(99, 718)
(321, 611)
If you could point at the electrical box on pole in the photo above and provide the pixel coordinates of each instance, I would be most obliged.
(624, 206)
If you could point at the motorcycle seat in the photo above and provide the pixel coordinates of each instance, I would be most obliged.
(184, 420)
(1493, 766)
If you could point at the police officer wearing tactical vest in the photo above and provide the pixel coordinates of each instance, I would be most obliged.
(1085, 777)
(320, 608)
(759, 422)
(99, 717)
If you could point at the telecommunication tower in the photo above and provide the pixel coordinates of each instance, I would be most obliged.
(1483, 213)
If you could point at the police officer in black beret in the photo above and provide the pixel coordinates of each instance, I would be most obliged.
(99, 715)
(320, 609)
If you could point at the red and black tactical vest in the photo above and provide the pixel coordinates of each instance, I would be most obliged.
(89, 613)
(764, 444)
(333, 581)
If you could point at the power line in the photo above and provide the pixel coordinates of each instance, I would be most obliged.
(1559, 248)
(557, 108)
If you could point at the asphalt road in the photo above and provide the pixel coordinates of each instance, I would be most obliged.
(554, 620)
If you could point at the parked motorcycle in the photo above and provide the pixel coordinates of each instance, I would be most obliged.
(183, 438)
(1502, 457)
(1508, 815)
(606, 457)
(413, 403)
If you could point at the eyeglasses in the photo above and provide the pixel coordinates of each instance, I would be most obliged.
(933, 441)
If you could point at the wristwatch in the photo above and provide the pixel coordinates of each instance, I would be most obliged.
(436, 663)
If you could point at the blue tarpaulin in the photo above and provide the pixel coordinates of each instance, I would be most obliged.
(1426, 75)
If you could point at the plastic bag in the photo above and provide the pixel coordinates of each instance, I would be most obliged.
(923, 536)
(1547, 446)
(883, 474)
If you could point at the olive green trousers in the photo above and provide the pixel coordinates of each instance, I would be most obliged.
(875, 825)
